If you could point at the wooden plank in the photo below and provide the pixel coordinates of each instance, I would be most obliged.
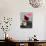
(25, 44)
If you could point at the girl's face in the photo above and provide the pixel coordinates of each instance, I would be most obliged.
(25, 23)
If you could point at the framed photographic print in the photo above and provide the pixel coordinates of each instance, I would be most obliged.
(26, 19)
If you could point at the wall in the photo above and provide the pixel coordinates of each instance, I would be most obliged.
(45, 29)
(13, 8)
